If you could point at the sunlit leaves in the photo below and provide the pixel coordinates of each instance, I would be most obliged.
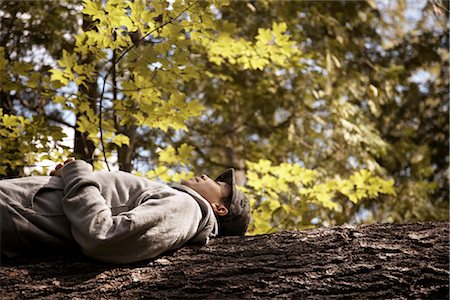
(23, 140)
(272, 46)
(120, 140)
(173, 164)
(141, 17)
(93, 8)
(71, 71)
(87, 124)
(150, 75)
(285, 188)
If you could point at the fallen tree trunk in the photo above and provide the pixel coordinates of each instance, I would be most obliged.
(371, 261)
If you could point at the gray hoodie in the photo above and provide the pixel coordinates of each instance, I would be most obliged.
(112, 216)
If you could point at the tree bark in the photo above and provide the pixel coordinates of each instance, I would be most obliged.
(381, 261)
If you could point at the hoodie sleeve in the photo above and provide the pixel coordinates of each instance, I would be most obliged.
(162, 222)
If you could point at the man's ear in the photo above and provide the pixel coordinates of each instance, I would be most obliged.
(219, 209)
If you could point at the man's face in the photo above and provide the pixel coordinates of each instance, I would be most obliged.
(212, 191)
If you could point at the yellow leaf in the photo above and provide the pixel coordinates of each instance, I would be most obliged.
(279, 28)
(387, 187)
(9, 121)
(167, 155)
(121, 139)
(68, 60)
(158, 172)
(59, 100)
(58, 75)
(177, 177)
(264, 36)
(185, 151)
(94, 9)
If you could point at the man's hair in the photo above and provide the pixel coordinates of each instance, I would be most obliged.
(222, 219)
(226, 201)
(238, 218)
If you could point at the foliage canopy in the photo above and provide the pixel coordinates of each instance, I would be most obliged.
(331, 112)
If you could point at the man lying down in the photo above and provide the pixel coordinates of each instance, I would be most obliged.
(115, 216)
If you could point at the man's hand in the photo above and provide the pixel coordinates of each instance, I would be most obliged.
(59, 167)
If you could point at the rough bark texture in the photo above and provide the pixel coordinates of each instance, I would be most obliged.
(372, 261)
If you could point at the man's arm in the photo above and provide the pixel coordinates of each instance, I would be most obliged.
(157, 225)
